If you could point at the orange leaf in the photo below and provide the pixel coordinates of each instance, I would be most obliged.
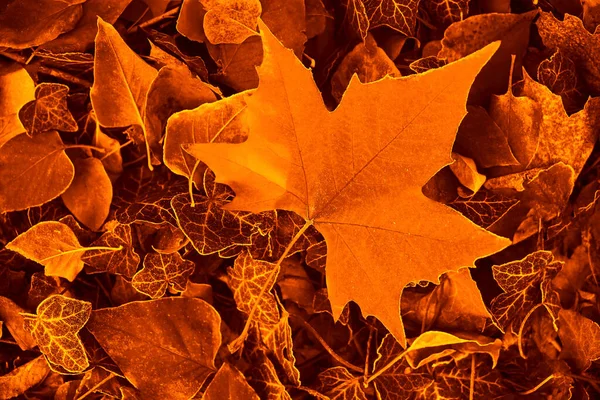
(229, 383)
(48, 111)
(17, 89)
(162, 271)
(122, 262)
(357, 173)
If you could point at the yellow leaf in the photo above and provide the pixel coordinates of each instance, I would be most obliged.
(16, 89)
(55, 329)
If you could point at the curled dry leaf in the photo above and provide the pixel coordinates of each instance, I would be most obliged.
(48, 112)
(162, 271)
(27, 23)
(33, 171)
(16, 90)
(55, 329)
(298, 171)
(90, 194)
(121, 83)
(177, 335)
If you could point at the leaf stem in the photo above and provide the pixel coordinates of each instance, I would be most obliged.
(385, 368)
(236, 343)
(96, 386)
(472, 380)
(84, 146)
(81, 249)
(168, 14)
(191, 183)
(539, 385)
(522, 328)
(323, 343)
(49, 71)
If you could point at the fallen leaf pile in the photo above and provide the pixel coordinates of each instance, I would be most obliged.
(299, 199)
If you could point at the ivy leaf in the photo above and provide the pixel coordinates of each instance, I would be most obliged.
(229, 383)
(26, 23)
(33, 171)
(209, 227)
(288, 163)
(121, 262)
(580, 338)
(16, 90)
(397, 382)
(90, 194)
(177, 335)
(162, 271)
(251, 282)
(121, 83)
(55, 329)
(484, 207)
(558, 73)
(400, 15)
(526, 283)
(339, 384)
(52, 244)
(445, 12)
(48, 111)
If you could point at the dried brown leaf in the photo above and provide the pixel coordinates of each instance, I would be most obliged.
(121, 262)
(162, 271)
(48, 111)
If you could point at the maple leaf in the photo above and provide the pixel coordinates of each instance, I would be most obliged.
(33, 171)
(287, 163)
(26, 23)
(166, 349)
(162, 271)
(525, 282)
(229, 383)
(17, 89)
(339, 384)
(251, 282)
(90, 194)
(55, 329)
(48, 111)
(21, 379)
(123, 262)
(580, 338)
(119, 93)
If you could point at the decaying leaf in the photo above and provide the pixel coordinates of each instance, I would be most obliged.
(580, 337)
(19, 380)
(48, 112)
(162, 271)
(33, 171)
(166, 349)
(123, 262)
(288, 163)
(55, 329)
(339, 384)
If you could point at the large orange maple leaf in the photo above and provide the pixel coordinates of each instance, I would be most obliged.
(356, 173)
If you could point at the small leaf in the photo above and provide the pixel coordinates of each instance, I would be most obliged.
(166, 348)
(162, 271)
(21, 379)
(48, 111)
(55, 329)
(339, 384)
(229, 383)
(400, 15)
(90, 194)
(580, 338)
(26, 23)
(121, 262)
(33, 171)
(52, 244)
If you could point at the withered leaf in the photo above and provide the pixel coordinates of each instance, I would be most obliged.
(33, 171)
(162, 271)
(48, 111)
(55, 329)
(215, 122)
(484, 207)
(229, 21)
(209, 227)
(339, 384)
(287, 21)
(558, 73)
(121, 83)
(576, 43)
(400, 15)
(288, 163)
(16, 89)
(356, 17)
(90, 194)
(21, 379)
(445, 12)
(229, 383)
(396, 383)
(26, 23)
(580, 338)
(166, 349)
(168, 43)
(237, 63)
(427, 63)
(251, 282)
(54, 245)
(42, 287)
(10, 315)
(122, 262)
(264, 379)
(526, 283)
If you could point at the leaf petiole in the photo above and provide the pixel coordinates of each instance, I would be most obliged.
(82, 249)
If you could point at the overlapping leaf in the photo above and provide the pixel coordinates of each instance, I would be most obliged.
(162, 271)
(16, 90)
(339, 384)
(48, 111)
(123, 262)
(55, 329)
(229, 383)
